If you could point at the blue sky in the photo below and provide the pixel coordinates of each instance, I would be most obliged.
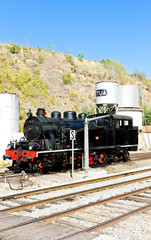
(114, 29)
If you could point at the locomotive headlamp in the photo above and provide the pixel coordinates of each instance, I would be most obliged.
(9, 146)
(30, 146)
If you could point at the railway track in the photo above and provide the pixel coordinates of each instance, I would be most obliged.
(94, 215)
(140, 156)
(70, 185)
(110, 221)
(91, 190)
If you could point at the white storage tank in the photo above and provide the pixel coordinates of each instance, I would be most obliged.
(135, 113)
(128, 96)
(9, 119)
(106, 93)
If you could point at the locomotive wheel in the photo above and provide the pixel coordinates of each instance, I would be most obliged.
(126, 156)
(115, 157)
(30, 167)
(105, 160)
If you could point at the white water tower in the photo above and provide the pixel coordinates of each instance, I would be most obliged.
(9, 120)
(106, 96)
(129, 103)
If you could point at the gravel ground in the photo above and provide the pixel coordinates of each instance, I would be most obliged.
(134, 228)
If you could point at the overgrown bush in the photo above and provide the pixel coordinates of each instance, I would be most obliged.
(115, 69)
(80, 57)
(75, 106)
(139, 75)
(15, 49)
(28, 82)
(147, 116)
(73, 94)
(66, 78)
(68, 56)
(41, 59)
(88, 110)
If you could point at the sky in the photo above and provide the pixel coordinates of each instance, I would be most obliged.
(109, 29)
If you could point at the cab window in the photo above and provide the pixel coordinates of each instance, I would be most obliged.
(118, 123)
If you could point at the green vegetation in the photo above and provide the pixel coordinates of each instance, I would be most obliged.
(52, 49)
(139, 75)
(66, 78)
(80, 57)
(52, 99)
(115, 69)
(88, 110)
(41, 59)
(69, 57)
(27, 82)
(21, 120)
(147, 116)
(23, 81)
(75, 106)
(15, 49)
(21, 70)
(73, 94)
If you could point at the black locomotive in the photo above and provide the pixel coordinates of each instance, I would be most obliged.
(46, 143)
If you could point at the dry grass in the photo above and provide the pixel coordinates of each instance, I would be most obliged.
(52, 66)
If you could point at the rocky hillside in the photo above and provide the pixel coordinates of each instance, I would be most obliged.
(47, 79)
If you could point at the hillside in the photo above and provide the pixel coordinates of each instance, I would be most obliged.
(54, 81)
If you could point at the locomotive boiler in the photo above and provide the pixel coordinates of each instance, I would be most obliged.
(46, 144)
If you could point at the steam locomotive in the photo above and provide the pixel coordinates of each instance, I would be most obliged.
(46, 144)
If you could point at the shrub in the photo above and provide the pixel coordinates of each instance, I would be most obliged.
(41, 59)
(29, 83)
(21, 125)
(52, 99)
(139, 75)
(36, 72)
(80, 57)
(15, 49)
(74, 95)
(66, 78)
(75, 106)
(68, 56)
(115, 69)
(88, 110)
(147, 116)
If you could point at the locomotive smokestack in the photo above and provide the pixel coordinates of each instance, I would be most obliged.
(40, 112)
(29, 114)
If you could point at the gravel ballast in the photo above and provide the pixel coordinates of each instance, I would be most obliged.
(136, 227)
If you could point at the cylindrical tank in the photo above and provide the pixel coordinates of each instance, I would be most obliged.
(9, 114)
(128, 96)
(106, 93)
(9, 119)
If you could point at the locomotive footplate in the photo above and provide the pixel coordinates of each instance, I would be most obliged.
(20, 154)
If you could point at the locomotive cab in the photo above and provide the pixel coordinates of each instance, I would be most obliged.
(125, 133)
(111, 138)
